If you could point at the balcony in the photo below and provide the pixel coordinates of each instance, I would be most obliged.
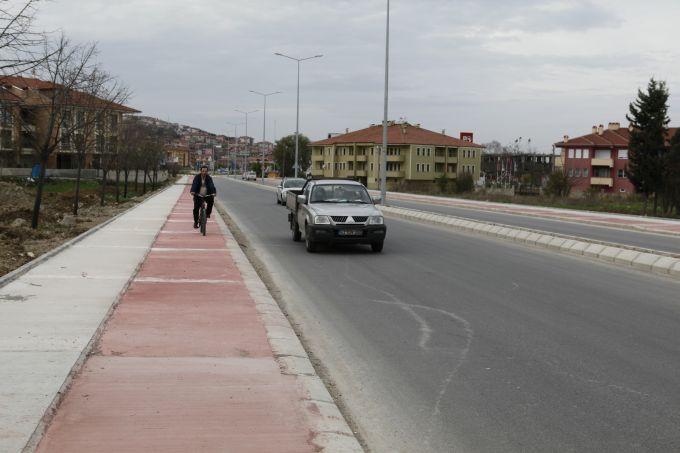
(395, 158)
(602, 162)
(452, 159)
(360, 173)
(361, 157)
(451, 174)
(317, 156)
(598, 181)
(317, 171)
(395, 174)
(440, 159)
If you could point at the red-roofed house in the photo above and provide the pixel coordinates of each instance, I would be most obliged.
(599, 159)
(414, 155)
(24, 111)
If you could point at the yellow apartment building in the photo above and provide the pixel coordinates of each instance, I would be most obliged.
(415, 156)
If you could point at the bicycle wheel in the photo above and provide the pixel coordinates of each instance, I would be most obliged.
(204, 220)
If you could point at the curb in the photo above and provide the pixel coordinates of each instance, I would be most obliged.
(329, 430)
(500, 208)
(21, 270)
(648, 260)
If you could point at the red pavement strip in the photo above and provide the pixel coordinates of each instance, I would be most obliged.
(182, 366)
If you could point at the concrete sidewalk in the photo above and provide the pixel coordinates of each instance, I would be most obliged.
(196, 356)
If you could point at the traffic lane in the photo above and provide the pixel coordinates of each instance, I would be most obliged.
(595, 232)
(488, 346)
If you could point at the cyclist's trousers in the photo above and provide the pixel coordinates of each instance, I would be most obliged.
(197, 206)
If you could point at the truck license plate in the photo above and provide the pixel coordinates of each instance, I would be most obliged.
(349, 232)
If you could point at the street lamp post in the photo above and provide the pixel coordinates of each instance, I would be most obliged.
(264, 124)
(247, 151)
(297, 114)
(383, 154)
(235, 137)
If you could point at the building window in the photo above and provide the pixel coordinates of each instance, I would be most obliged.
(622, 190)
(571, 154)
(577, 172)
(6, 118)
(428, 165)
(621, 173)
(570, 173)
(585, 172)
(623, 154)
(586, 153)
(6, 138)
(417, 167)
(371, 164)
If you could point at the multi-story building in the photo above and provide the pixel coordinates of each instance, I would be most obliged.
(176, 153)
(415, 156)
(25, 112)
(599, 159)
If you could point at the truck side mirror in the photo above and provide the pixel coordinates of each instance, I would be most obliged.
(302, 199)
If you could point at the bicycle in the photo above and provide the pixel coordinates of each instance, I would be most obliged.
(202, 215)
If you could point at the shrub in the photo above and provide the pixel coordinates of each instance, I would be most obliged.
(558, 185)
(465, 183)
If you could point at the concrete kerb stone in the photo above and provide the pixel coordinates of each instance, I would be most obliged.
(675, 270)
(532, 238)
(567, 245)
(578, 247)
(330, 430)
(609, 253)
(664, 265)
(544, 240)
(645, 261)
(593, 250)
(626, 257)
(555, 243)
(522, 236)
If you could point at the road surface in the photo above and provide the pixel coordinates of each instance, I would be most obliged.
(449, 341)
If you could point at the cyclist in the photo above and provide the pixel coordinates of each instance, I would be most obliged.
(202, 185)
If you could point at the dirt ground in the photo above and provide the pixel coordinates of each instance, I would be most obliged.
(19, 243)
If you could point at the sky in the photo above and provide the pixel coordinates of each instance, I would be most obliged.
(502, 69)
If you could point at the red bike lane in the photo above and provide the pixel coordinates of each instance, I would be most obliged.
(183, 363)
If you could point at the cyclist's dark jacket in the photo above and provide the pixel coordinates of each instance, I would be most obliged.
(196, 185)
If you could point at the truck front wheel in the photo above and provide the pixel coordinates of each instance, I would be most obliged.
(309, 245)
(377, 247)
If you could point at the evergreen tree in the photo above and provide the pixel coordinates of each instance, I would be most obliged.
(649, 119)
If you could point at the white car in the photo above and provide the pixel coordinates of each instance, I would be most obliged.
(285, 185)
(249, 176)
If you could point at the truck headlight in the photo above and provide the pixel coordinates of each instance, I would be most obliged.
(322, 220)
(376, 220)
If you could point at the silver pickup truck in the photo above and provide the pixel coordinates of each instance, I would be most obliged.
(335, 211)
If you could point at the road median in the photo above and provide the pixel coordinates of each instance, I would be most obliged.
(655, 261)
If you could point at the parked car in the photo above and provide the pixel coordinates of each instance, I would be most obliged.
(285, 185)
(335, 211)
(249, 176)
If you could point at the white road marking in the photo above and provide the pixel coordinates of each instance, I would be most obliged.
(182, 280)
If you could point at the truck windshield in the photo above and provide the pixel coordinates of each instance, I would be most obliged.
(340, 193)
(293, 183)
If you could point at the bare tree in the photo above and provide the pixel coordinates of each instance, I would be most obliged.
(20, 44)
(71, 77)
(96, 115)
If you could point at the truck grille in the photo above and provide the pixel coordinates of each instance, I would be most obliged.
(343, 219)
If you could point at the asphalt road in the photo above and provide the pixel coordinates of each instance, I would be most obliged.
(654, 241)
(453, 342)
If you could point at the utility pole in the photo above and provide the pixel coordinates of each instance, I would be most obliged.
(247, 153)
(297, 114)
(264, 125)
(383, 151)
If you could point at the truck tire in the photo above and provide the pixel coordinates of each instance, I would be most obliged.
(377, 247)
(297, 235)
(309, 245)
